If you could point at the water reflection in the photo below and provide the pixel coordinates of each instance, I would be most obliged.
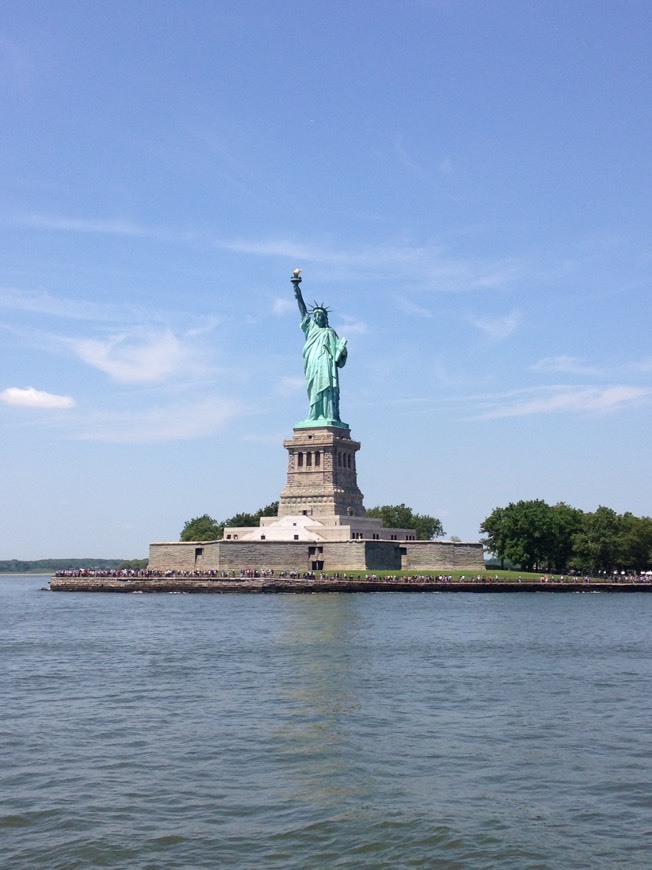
(321, 694)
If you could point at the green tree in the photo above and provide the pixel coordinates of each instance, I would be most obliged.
(495, 528)
(566, 522)
(241, 519)
(245, 519)
(521, 532)
(536, 536)
(399, 516)
(598, 546)
(636, 553)
(203, 528)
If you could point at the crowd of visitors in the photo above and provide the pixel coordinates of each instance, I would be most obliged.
(269, 573)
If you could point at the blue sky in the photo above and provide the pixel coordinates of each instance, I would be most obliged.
(466, 183)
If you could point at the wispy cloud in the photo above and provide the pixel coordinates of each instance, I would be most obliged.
(172, 423)
(289, 386)
(608, 369)
(29, 397)
(445, 166)
(60, 306)
(351, 326)
(497, 328)
(409, 307)
(102, 226)
(264, 437)
(566, 364)
(412, 166)
(643, 366)
(427, 267)
(565, 400)
(283, 304)
(138, 357)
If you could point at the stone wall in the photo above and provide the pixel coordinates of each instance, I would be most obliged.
(329, 556)
(277, 555)
(436, 555)
(185, 556)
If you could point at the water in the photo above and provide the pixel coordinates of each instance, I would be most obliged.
(367, 731)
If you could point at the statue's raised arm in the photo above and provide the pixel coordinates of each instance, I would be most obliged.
(323, 354)
(296, 280)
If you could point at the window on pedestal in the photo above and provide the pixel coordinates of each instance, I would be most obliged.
(300, 460)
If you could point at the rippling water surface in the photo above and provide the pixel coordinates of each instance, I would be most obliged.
(299, 731)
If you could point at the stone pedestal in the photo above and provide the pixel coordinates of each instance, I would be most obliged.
(322, 478)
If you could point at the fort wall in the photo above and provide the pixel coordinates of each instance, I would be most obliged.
(302, 556)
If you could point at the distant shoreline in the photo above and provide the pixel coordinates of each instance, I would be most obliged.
(48, 566)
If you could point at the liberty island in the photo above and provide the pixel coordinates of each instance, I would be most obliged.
(321, 525)
(321, 539)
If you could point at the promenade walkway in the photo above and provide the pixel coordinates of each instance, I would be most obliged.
(262, 581)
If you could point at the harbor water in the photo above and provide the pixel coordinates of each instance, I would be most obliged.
(322, 731)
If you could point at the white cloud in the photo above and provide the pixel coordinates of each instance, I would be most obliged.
(32, 398)
(289, 386)
(351, 326)
(173, 423)
(205, 327)
(426, 266)
(445, 166)
(563, 363)
(410, 307)
(265, 438)
(572, 365)
(141, 357)
(497, 328)
(59, 306)
(566, 400)
(283, 304)
(412, 166)
(104, 226)
(643, 366)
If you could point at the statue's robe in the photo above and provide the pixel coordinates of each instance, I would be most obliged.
(323, 354)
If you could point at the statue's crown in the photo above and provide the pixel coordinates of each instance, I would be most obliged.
(319, 306)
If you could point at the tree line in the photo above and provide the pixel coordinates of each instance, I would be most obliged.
(537, 536)
(397, 516)
(45, 566)
(205, 528)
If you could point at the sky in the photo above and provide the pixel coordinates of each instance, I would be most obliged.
(465, 183)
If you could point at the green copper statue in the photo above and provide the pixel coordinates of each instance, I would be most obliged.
(323, 355)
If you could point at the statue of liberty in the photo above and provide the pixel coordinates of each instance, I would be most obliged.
(324, 353)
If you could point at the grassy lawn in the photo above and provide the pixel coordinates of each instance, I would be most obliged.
(502, 576)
